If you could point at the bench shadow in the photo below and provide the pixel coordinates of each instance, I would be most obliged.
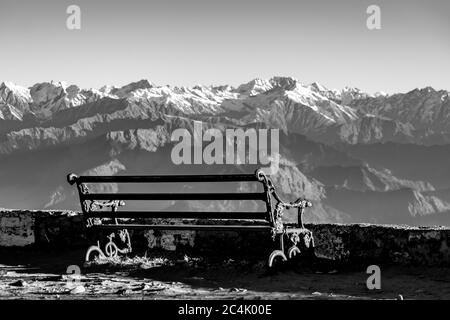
(247, 273)
(212, 273)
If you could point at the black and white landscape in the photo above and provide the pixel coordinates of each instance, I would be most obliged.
(359, 157)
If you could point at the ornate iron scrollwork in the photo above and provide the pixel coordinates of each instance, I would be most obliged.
(95, 205)
(299, 237)
(111, 249)
(278, 221)
(113, 204)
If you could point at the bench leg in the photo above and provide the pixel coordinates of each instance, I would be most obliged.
(274, 254)
(278, 252)
(293, 251)
(97, 249)
(296, 236)
(302, 237)
(111, 249)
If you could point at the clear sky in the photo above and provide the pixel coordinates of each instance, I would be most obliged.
(188, 42)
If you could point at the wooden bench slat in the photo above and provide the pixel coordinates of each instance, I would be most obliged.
(179, 214)
(168, 178)
(208, 227)
(175, 196)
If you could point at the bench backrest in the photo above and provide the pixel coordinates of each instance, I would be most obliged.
(93, 204)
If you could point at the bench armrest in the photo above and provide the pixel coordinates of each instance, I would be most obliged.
(300, 203)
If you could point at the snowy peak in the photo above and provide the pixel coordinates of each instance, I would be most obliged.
(14, 100)
(51, 97)
(286, 83)
(380, 94)
(131, 87)
(47, 91)
(258, 85)
(254, 87)
(349, 94)
(9, 87)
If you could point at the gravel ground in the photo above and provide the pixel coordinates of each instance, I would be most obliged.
(44, 275)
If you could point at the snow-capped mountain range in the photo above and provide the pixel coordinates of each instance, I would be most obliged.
(348, 115)
(338, 144)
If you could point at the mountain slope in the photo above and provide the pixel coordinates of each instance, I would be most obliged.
(365, 178)
(358, 157)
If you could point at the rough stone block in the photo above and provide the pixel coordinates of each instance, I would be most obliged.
(16, 228)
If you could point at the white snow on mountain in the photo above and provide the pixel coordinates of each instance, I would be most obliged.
(254, 87)
(14, 101)
(283, 102)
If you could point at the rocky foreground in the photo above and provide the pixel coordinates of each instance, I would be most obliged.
(41, 253)
(43, 276)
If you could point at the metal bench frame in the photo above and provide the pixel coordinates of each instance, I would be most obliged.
(271, 219)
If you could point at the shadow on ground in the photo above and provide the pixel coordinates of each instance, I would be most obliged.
(33, 274)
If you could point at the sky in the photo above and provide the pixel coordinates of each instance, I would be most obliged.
(189, 42)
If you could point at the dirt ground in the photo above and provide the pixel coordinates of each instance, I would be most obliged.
(47, 275)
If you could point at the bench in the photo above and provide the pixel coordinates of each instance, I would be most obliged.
(101, 211)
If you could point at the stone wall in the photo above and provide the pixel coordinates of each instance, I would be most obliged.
(31, 227)
(350, 243)
(368, 243)
(16, 228)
